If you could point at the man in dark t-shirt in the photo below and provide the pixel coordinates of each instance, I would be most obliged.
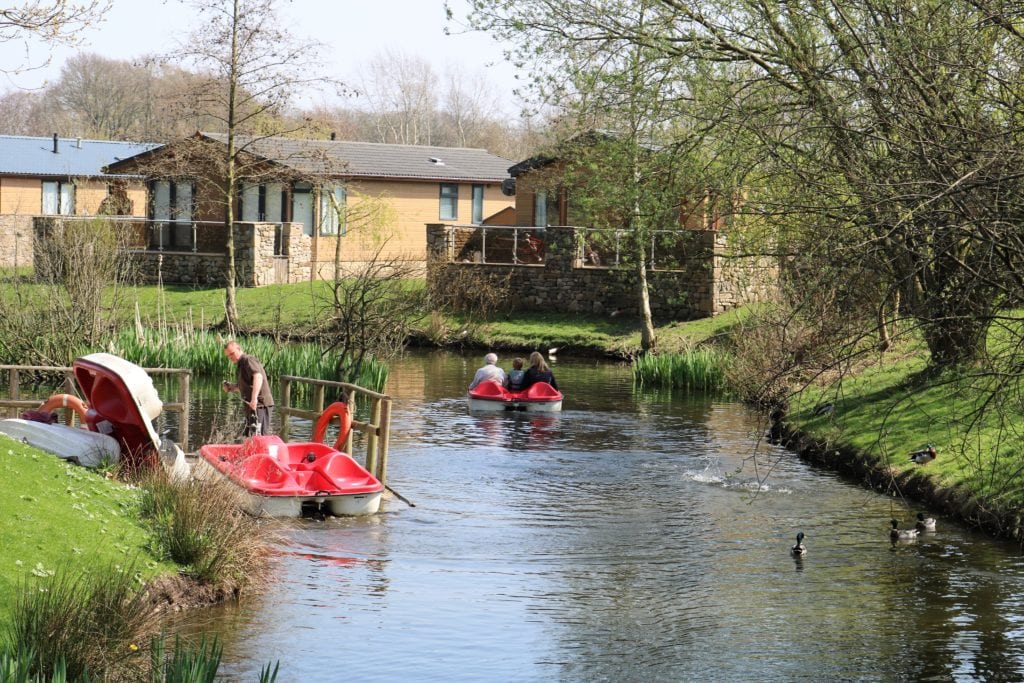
(253, 386)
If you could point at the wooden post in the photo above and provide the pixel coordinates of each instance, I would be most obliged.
(15, 390)
(184, 379)
(385, 439)
(286, 399)
(371, 438)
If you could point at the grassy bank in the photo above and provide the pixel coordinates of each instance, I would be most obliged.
(876, 417)
(56, 515)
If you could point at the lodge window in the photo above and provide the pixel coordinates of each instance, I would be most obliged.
(170, 210)
(58, 198)
(544, 206)
(449, 202)
(263, 203)
(478, 204)
(333, 221)
(302, 206)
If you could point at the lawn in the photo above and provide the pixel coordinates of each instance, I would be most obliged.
(56, 515)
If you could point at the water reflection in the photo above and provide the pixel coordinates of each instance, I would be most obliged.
(630, 537)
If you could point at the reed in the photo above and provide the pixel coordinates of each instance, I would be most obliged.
(183, 346)
(699, 369)
(74, 622)
(196, 525)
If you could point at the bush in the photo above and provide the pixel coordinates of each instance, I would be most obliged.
(197, 524)
(78, 623)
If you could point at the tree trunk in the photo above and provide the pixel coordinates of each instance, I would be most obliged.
(647, 338)
(230, 307)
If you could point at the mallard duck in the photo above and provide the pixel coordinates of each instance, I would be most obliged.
(898, 534)
(799, 549)
(924, 456)
(924, 523)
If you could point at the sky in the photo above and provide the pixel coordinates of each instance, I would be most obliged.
(352, 32)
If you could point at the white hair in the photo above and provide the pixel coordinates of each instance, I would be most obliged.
(491, 358)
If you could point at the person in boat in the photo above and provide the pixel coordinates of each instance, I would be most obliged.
(253, 386)
(490, 370)
(538, 372)
(516, 375)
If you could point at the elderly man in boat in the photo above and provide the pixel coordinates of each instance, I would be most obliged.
(490, 370)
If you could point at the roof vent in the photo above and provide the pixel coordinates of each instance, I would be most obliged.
(56, 149)
(436, 161)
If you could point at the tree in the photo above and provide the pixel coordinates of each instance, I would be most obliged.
(400, 93)
(603, 81)
(55, 22)
(881, 137)
(254, 69)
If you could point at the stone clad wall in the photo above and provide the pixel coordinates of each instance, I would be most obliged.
(255, 262)
(16, 241)
(709, 283)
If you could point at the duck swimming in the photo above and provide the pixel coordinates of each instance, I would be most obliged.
(898, 534)
(924, 523)
(924, 456)
(799, 549)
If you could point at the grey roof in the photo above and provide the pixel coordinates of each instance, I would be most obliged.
(32, 156)
(377, 160)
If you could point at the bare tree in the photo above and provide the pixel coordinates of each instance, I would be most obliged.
(109, 98)
(255, 68)
(56, 22)
(399, 91)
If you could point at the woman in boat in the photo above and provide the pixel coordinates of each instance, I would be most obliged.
(538, 372)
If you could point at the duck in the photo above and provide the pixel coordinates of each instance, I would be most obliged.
(898, 534)
(924, 456)
(824, 409)
(799, 549)
(924, 523)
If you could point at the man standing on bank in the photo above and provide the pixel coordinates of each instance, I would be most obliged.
(253, 386)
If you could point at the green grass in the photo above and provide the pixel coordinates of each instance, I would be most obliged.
(887, 410)
(53, 513)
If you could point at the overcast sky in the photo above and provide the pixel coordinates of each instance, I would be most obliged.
(352, 31)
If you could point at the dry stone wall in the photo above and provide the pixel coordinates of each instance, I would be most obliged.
(708, 283)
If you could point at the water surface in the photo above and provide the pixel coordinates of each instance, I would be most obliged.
(630, 538)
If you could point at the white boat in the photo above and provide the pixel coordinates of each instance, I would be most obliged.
(78, 445)
(539, 398)
(277, 479)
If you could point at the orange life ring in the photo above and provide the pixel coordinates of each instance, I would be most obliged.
(340, 411)
(67, 402)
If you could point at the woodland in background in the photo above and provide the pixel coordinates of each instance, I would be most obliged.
(399, 99)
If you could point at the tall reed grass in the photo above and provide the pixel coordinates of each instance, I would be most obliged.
(183, 346)
(197, 524)
(75, 622)
(699, 369)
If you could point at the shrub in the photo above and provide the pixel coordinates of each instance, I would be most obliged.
(197, 524)
(78, 623)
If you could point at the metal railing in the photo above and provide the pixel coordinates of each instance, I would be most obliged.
(14, 404)
(377, 429)
(498, 244)
(174, 234)
(669, 249)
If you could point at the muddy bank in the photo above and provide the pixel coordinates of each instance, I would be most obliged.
(915, 486)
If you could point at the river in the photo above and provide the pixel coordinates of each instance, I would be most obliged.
(633, 537)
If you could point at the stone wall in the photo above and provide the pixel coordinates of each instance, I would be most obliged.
(256, 263)
(708, 283)
(16, 241)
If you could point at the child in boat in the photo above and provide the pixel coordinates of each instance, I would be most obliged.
(516, 374)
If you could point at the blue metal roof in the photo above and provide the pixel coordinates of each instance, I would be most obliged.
(32, 156)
